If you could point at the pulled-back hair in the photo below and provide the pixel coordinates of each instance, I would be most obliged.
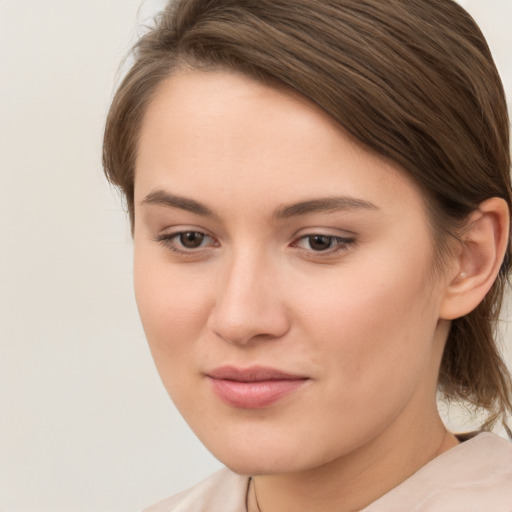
(413, 80)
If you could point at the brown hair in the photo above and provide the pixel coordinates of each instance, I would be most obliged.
(413, 80)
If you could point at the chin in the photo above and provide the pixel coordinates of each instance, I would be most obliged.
(256, 456)
(267, 465)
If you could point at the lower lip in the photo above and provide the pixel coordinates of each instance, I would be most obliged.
(254, 395)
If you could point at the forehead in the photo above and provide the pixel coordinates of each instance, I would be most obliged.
(222, 135)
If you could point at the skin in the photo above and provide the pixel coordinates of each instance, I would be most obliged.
(362, 319)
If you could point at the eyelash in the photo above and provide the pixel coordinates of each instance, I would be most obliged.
(168, 240)
(336, 244)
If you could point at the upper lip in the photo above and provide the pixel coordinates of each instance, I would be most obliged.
(251, 374)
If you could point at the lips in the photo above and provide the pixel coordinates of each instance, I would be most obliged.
(253, 388)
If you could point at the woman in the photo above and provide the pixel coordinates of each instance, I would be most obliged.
(319, 194)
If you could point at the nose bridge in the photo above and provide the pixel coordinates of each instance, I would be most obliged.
(248, 301)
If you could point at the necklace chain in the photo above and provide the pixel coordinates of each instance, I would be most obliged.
(252, 494)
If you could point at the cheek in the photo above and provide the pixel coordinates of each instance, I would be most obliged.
(173, 310)
(373, 343)
(373, 328)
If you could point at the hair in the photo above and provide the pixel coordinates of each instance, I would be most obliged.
(413, 80)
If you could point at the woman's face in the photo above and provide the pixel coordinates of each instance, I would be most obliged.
(284, 276)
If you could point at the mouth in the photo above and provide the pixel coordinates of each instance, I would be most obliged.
(253, 388)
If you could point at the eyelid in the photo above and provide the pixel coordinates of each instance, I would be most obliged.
(340, 239)
(341, 245)
(167, 239)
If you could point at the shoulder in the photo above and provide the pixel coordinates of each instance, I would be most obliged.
(475, 476)
(224, 491)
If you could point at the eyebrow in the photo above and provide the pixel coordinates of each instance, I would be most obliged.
(320, 205)
(162, 198)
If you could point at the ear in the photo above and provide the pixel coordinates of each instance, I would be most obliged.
(478, 259)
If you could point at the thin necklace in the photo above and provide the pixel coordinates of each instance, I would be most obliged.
(258, 508)
(252, 502)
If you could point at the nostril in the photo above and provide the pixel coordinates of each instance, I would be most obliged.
(257, 326)
(248, 305)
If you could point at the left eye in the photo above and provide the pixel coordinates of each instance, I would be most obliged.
(322, 243)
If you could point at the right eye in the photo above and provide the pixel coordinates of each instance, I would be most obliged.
(186, 241)
(190, 239)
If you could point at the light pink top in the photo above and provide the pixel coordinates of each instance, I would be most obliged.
(475, 476)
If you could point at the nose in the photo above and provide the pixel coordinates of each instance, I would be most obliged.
(249, 302)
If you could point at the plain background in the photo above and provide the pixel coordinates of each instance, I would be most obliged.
(85, 424)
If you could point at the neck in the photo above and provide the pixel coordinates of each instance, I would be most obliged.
(357, 479)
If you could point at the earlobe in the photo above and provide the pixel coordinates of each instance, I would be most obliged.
(483, 247)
